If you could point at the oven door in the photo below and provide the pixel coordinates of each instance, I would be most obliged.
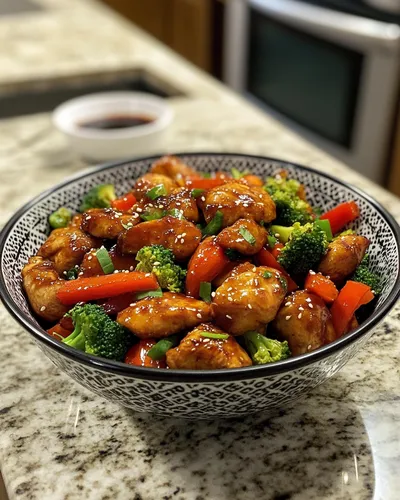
(330, 75)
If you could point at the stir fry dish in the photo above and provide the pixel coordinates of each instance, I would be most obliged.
(201, 271)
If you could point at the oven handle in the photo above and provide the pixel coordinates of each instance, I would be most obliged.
(333, 24)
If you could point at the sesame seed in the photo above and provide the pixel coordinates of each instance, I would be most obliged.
(131, 268)
(43, 308)
(139, 209)
(183, 234)
(276, 235)
(287, 304)
(229, 317)
(310, 306)
(116, 271)
(90, 257)
(88, 217)
(308, 299)
(212, 294)
(160, 206)
(230, 299)
(156, 263)
(249, 306)
(308, 347)
(328, 277)
(254, 269)
(202, 198)
(229, 289)
(301, 308)
(312, 272)
(299, 316)
(288, 317)
(198, 315)
(182, 241)
(147, 275)
(65, 272)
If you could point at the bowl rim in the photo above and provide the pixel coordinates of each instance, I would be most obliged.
(173, 375)
(63, 120)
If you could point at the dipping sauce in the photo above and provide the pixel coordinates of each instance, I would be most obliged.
(117, 121)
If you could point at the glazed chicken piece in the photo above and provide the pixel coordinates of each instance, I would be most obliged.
(158, 317)
(249, 300)
(106, 223)
(172, 167)
(196, 352)
(232, 269)
(305, 322)
(91, 266)
(41, 282)
(239, 237)
(148, 181)
(180, 236)
(180, 199)
(236, 200)
(344, 254)
(66, 247)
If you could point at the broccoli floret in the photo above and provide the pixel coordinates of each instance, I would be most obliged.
(364, 275)
(160, 261)
(95, 333)
(99, 196)
(345, 233)
(305, 248)
(290, 209)
(281, 184)
(60, 218)
(264, 350)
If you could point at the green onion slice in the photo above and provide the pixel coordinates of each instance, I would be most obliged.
(205, 291)
(247, 236)
(267, 274)
(197, 192)
(237, 174)
(272, 241)
(105, 260)
(159, 350)
(215, 224)
(325, 225)
(152, 215)
(127, 226)
(210, 335)
(156, 192)
(206, 175)
(175, 212)
(149, 293)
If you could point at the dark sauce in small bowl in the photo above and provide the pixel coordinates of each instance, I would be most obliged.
(113, 122)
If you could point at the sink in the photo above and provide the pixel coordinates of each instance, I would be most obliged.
(18, 7)
(44, 96)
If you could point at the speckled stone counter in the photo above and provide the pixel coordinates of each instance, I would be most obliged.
(58, 441)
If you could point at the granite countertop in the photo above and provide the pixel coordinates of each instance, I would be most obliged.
(59, 441)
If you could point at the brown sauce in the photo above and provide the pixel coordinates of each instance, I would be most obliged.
(112, 122)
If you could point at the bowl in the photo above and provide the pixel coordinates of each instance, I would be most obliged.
(86, 121)
(190, 393)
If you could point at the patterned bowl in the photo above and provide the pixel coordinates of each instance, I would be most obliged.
(189, 393)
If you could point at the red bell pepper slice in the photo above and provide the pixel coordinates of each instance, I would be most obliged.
(265, 258)
(125, 203)
(341, 215)
(201, 183)
(276, 250)
(322, 286)
(350, 298)
(101, 287)
(137, 355)
(205, 264)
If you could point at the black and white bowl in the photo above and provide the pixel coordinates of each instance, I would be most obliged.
(188, 393)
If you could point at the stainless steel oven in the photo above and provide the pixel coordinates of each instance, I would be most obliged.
(330, 74)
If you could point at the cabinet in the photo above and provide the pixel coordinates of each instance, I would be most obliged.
(184, 25)
(394, 173)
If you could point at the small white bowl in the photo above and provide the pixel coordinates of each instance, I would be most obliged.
(118, 143)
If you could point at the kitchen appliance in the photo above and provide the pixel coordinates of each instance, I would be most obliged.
(331, 74)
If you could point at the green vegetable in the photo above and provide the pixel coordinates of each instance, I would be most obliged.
(232, 254)
(156, 192)
(174, 212)
(237, 174)
(149, 293)
(345, 233)
(215, 225)
(99, 196)
(105, 260)
(272, 241)
(205, 291)
(60, 218)
(247, 235)
(325, 225)
(159, 350)
(305, 248)
(264, 350)
(95, 333)
(267, 275)
(127, 226)
(283, 232)
(211, 335)
(153, 214)
(364, 275)
(160, 261)
(197, 192)
(281, 184)
(206, 175)
(72, 274)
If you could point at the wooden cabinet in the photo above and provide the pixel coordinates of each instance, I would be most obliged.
(184, 25)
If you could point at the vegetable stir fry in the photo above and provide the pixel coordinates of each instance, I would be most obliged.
(195, 271)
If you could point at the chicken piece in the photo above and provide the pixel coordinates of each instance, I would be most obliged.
(196, 352)
(305, 322)
(344, 254)
(76, 221)
(180, 236)
(91, 266)
(172, 167)
(66, 246)
(41, 282)
(181, 199)
(236, 200)
(158, 317)
(106, 223)
(148, 181)
(249, 300)
(232, 269)
(236, 237)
